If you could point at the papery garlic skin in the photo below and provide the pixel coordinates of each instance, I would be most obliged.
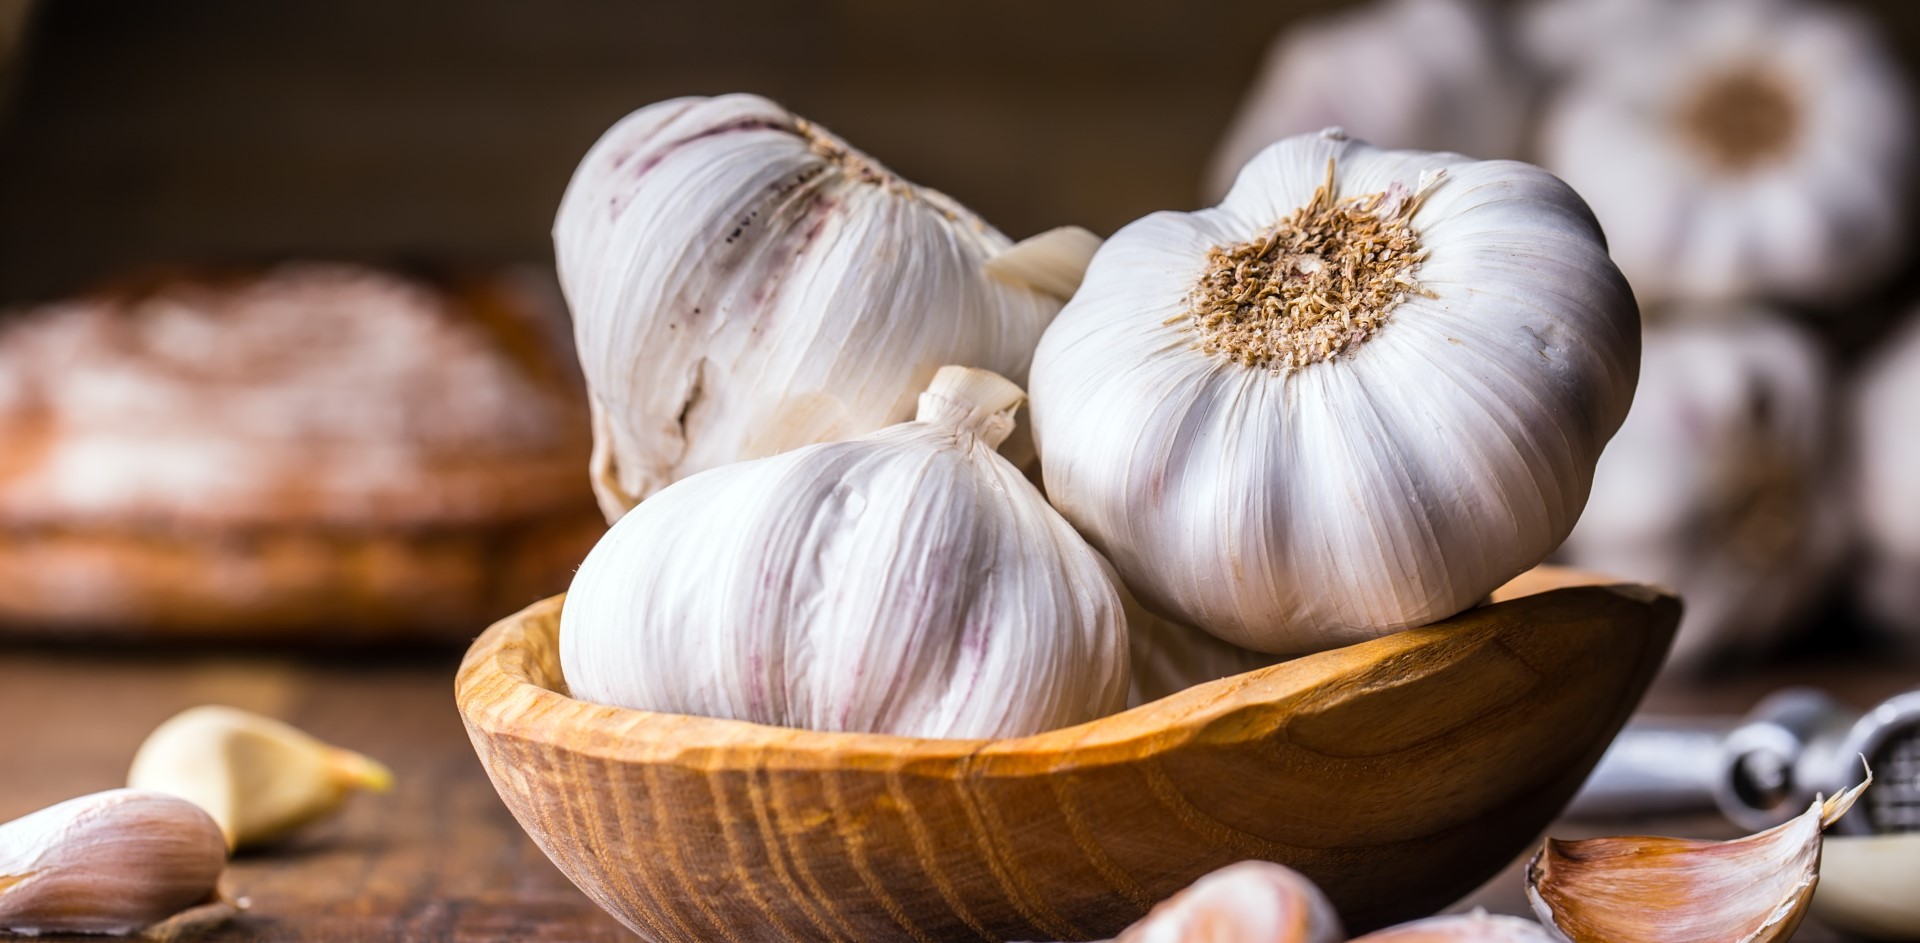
(1424, 74)
(1168, 657)
(909, 582)
(1476, 927)
(1736, 149)
(1642, 889)
(1885, 426)
(1392, 484)
(111, 862)
(743, 282)
(1718, 485)
(1249, 902)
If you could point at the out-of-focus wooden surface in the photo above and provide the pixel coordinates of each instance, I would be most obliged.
(439, 858)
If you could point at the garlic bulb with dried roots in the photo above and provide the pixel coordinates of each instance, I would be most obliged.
(1674, 890)
(743, 282)
(112, 862)
(909, 582)
(1886, 484)
(1249, 902)
(1426, 74)
(1736, 149)
(1357, 396)
(1476, 927)
(1718, 484)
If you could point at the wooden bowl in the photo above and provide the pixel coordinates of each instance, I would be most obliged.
(1398, 774)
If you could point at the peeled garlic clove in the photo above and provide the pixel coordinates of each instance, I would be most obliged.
(1249, 902)
(1350, 456)
(111, 862)
(1740, 148)
(1885, 492)
(1673, 890)
(910, 582)
(1870, 886)
(1476, 927)
(1717, 485)
(743, 282)
(259, 778)
(1436, 77)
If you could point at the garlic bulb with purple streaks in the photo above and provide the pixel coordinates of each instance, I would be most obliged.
(909, 582)
(743, 282)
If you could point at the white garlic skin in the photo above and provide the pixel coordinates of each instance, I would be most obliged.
(111, 862)
(1426, 74)
(909, 582)
(1383, 489)
(1168, 657)
(743, 283)
(1885, 478)
(1718, 485)
(1818, 219)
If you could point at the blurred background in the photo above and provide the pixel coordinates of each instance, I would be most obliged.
(171, 167)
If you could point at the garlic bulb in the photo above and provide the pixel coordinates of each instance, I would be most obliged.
(909, 582)
(1673, 890)
(259, 778)
(1249, 902)
(1717, 484)
(1168, 657)
(1736, 149)
(1435, 76)
(1357, 396)
(743, 282)
(1886, 484)
(111, 862)
(1476, 927)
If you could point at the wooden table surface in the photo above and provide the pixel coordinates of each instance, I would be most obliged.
(439, 858)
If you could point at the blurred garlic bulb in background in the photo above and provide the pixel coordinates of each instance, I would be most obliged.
(743, 282)
(1555, 36)
(1360, 394)
(1886, 483)
(1718, 484)
(1736, 149)
(1427, 74)
(910, 582)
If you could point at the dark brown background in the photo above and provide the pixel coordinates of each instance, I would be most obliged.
(445, 130)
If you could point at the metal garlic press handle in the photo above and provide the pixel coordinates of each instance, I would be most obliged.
(1758, 771)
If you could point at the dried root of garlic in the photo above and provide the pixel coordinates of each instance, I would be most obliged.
(911, 582)
(1476, 927)
(111, 862)
(259, 778)
(1671, 890)
(1249, 902)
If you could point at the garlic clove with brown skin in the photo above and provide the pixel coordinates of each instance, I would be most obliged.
(111, 862)
(1249, 902)
(1673, 890)
(1476, 927)
(258, 777)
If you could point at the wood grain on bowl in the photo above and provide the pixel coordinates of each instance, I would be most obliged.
(1397, 774)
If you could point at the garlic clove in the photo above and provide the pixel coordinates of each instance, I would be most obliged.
(1249, 902)
(258, 777)
(1870, 886)
(1054, 261)
(111, 862)
(1674, 890)
(1476, 927)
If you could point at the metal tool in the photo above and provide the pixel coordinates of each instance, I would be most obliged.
(1767, 767)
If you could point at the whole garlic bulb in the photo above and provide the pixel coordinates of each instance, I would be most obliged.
(1736, 149)
(743, 282)
(909, 582)
(1357, 396)
(1886, 483)
(1717, 484)
(1436, 77)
